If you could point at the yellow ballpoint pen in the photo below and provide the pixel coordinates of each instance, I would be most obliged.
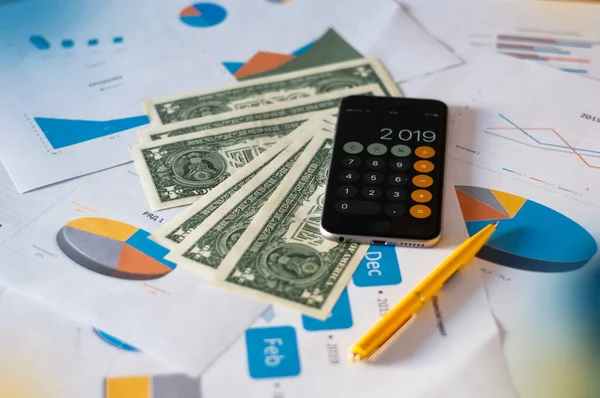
(399, 316)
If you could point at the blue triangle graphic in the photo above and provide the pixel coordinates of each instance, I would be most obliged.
(65, 132)
(303, 49)
(233, 67)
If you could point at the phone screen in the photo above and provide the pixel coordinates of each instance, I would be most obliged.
(387, 169)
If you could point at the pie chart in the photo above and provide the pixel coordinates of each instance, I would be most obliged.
(529, 236)
(203, 15)
(113, 248)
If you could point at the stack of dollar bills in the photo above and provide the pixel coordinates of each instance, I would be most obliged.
(251, 159)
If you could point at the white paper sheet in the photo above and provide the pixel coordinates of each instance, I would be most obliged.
(533, 135)
(561, 34)
(69, 106)
(176, 317)
(47, 355)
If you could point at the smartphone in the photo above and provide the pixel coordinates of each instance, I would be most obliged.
(386, 177)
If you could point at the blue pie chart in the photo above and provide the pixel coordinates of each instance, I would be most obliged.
(529, 236)
(203, 15)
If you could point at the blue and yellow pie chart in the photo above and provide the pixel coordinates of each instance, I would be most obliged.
(529, 236)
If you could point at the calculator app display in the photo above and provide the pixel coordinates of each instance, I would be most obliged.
(386, 175)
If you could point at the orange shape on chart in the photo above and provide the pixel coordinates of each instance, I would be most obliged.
(474, 210)
(135, 262)
(511, 203)
(262, 61)
(420, 211)
(421, 196)
(422, 181)
(128, 387)
(425, 152)
(190, 12)
(424, 166)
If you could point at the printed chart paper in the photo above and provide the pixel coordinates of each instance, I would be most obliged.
(70, 102)
(89, 256)
(561, 34)
(524, 151)
(47, 355)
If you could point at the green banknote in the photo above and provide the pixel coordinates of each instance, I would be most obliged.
(282, 258)
(307, 105)
(178, 171)
(182, 225)
(268, 90)
(208, 244)
(171, 234)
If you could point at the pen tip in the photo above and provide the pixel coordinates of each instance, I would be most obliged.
(354, 357)
(495, 223)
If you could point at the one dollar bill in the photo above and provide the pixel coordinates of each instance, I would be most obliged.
(282, 258)
(177, 171)
(184, 223)
(268, 90)
(206, 247)
(310, 104)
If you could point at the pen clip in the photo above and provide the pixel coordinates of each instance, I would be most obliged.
(389, 342)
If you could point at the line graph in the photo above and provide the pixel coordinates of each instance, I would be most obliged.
(566, 146)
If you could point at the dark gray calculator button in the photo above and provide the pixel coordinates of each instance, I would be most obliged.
(357, 207)
(349, 176)
(371, 193)
(353, 147)
(400, 165)
(401, 150)
(347, 191)
(396, 194)
(351, 162)
(395, 210)
(398, 179)
(373, 178)
(375, 163)
(377, 149)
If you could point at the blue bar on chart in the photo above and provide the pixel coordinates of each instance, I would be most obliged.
(67, 43)
(536, 49)
(39, 42)
(574, 70)
(340, 317)
(543, 40)
(272, 352)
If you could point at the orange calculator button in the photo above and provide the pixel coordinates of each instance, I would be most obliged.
(423, 166)
(425, 152)
(421, 196)
(420, 211)
(422, 181)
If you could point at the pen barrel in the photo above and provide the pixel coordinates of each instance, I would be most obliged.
(453, 263)
(388, 326)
